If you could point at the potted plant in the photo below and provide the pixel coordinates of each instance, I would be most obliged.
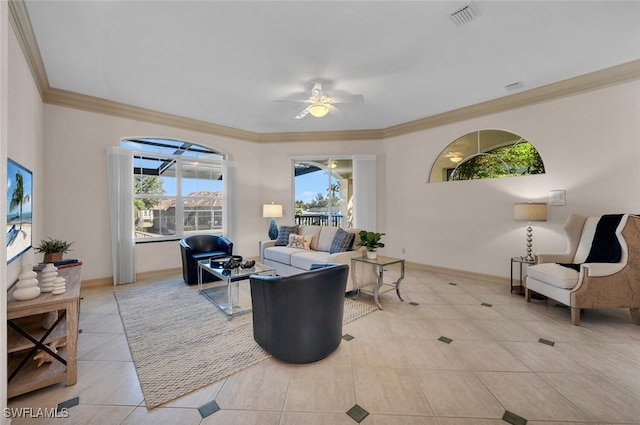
(371, 241)
(53, 249)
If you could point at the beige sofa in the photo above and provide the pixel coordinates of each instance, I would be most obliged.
(288, 261)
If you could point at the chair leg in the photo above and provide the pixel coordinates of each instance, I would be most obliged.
(527, 295)
(635, 315)
(575, 316)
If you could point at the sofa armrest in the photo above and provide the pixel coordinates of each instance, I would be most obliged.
(263, 245)
(346, 256)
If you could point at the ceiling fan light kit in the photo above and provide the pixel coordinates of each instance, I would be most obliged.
(321, 103)
(319, 110)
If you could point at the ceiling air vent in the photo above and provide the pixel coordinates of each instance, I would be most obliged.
(514, 86)
(464, 15)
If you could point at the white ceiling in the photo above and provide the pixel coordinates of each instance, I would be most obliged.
(226, 62)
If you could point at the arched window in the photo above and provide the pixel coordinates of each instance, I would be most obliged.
(178, 188)
(486, 154)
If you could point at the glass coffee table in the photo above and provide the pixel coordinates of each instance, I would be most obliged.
(231, 295)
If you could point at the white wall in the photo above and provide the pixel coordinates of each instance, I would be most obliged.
(590, 145)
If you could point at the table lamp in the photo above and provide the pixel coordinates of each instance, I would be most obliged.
(530, 211)
(272, 211)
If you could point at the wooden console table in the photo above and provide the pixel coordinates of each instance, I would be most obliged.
(25, 335)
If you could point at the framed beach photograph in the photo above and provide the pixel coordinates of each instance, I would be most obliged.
(19, 209)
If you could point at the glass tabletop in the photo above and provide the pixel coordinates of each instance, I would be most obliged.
(235, 274)
(380, 261)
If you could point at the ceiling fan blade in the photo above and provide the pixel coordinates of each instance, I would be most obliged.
(303, 113)
(307, 100)
(352, 98)
(335, 111)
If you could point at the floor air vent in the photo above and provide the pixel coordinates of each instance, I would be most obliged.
(464, 15)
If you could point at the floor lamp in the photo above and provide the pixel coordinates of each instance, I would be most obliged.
(272, 211)
(530, 211)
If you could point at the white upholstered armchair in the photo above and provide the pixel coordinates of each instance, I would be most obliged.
(612, 284)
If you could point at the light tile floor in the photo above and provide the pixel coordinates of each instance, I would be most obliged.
(396, 368)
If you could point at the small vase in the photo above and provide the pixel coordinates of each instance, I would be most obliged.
(59, 286)
(47, 277)
(27, 286)
(372, 255)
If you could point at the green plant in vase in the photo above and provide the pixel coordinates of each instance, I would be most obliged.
(53, 249)
(371, 241)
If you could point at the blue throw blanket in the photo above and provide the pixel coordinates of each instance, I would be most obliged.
(605, 247)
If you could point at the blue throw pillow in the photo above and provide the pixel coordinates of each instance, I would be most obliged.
(283, 234)
(320, 266)
(342, 241)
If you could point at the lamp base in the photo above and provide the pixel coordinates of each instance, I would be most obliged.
(529, 256)
(273, 230)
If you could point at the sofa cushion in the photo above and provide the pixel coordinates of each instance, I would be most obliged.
(554, 274)
(300, 241)
(342, 241)
(311, 230)
(305, 259)
(281, 254)
(283, 234)
(327, 233)
(356, 238)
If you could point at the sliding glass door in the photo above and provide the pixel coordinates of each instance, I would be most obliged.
(323, 191)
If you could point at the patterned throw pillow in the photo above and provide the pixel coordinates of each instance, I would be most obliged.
(300, 241)
(342, 241)
(283, 234)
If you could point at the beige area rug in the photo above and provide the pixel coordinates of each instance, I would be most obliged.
(181, 342)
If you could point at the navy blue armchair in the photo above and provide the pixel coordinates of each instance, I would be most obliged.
(202, 247)
(298, 319)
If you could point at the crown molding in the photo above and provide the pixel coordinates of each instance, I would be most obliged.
(605, 77)
(321, 136)
(19, 19)
(21, 23)
(95, 104)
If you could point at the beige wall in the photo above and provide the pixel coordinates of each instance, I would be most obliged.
(4, 59)
(26, 143)
(590, 144)
(21, 138)
(77, 184)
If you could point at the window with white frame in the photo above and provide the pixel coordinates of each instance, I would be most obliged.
(335, 191)
(177, 188)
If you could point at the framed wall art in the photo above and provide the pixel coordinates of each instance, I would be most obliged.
(19, 210)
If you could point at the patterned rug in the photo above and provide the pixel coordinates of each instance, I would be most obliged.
(181, 342)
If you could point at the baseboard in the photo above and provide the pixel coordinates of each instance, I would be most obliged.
(461, 273)
(101, 281)
(108, 281)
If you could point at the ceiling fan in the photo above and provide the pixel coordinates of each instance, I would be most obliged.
(320, 102)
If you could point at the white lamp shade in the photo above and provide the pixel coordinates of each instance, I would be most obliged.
(272, 211)
(530, 211)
